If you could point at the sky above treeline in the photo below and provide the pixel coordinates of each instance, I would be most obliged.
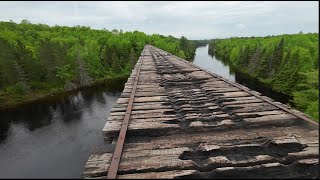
(192, 19)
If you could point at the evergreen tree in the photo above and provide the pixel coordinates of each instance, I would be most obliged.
(84, 78)
(22, 79)
(116, 66)
(278, 54)
(133, 59)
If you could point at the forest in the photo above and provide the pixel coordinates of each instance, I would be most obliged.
(201, 42)
(37, 60)
(287, 63)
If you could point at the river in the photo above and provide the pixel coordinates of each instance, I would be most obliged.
(53, 139)
(211, 63)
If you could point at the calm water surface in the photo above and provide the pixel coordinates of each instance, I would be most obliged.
(210, 63)
(54, 139)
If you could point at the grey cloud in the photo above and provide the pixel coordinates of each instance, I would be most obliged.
(193, 19)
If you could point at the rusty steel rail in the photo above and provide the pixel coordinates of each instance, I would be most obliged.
(113, 168)
(246, 90)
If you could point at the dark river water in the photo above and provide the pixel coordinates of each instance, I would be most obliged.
(53, 139)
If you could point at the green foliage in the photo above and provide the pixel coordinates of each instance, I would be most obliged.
(66, 73)
(306, 97)
(288, 63)
(44, 58)
(201, 42)
(234, 54)
(16, 89)
(313, 110)
(303, 98)
(181, 54)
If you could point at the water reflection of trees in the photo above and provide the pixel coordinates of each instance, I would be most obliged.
(37, 115)
(264, 89)
(4, 129)
(116, 85)
(69, 109)
(100, 98)
(32, 117)
(88, 103)
(210, 52)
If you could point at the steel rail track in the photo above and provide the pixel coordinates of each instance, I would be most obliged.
(114, 165)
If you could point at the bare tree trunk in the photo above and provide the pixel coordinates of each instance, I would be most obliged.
(69, 86)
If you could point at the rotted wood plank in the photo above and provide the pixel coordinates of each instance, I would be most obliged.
(143, 99)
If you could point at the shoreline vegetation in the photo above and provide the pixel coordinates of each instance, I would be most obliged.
(39, 61)
(286, 63)
(112, 85)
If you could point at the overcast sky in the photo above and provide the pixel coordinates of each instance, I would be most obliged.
(193, 19)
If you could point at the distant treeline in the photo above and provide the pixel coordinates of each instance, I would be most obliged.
(36, 59)
(287, 63)
(201, 42)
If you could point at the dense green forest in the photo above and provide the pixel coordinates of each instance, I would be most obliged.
(201, 42)
(37, 60)
(287, 63)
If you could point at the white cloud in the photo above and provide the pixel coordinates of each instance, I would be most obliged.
(193, 19)
(241, 27)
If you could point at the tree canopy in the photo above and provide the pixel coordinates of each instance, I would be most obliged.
(39, 59)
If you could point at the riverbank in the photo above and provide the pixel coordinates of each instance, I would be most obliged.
(112, 84)
(284, 70)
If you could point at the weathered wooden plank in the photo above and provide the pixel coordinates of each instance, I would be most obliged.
(199, 75)
(143, 85)
(142, 107)
(145, 112)
(252, 108)
(282, 119)
(158, 175)
(166, 159)
(142, 116)
(144, 99)
(112, 128)
(143, 94)
(148, 89)
(216, 137)
(200, 125)
(244, 102)
(152, 160)
(97, 165)
(235, 94)
(149, 120)
(260, 113)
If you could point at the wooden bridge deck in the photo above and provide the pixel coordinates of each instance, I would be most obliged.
(186, 122)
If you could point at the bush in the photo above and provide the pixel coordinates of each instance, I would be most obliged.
(313, 110)
(16, 89)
